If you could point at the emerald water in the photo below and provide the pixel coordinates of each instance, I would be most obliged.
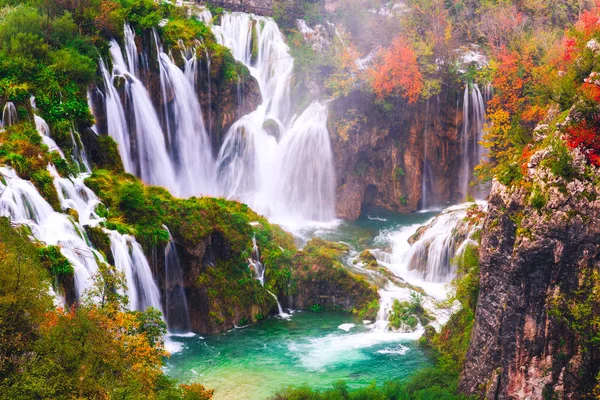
(318, 349)
(257, 361)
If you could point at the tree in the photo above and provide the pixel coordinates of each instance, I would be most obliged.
(396, 71)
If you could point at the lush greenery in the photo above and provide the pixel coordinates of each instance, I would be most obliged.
(448, 347)
(406, 315)
(320, 261)
(430, 383)
(97, 350)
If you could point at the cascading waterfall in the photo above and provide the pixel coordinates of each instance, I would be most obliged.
(278, 163)
(9, 114)
(21, 202)
(474, 107)
(287, 174)
(181, 160)
(176, 306)
(129, 258)
(258, 269)
(423, 254)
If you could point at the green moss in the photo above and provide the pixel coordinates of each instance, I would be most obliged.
(55, 262)
(21, 147)
(537, 199)
(560, 161)
(409, 313)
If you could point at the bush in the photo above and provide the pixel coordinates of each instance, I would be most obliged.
(55, 262)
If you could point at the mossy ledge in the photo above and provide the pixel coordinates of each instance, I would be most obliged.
(214, 241)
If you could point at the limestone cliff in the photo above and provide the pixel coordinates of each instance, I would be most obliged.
(539, 259)
(379, 155)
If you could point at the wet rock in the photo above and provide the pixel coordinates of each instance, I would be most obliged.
(528, 258)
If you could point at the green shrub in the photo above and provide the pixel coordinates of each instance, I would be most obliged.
(55, 262)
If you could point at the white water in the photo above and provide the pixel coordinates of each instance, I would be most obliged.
(129, 257)
(473, 152)
(289, 178)
(176, 306)
(21, 202)
(9, 114)
(44, 130)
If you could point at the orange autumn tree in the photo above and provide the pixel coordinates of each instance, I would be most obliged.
(512, 113)
(396, 72)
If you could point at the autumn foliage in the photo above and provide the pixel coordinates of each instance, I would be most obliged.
(396, 71)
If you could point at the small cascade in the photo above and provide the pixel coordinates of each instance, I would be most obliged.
(73, 194)
(258, 269)
(423, 254)
(176, 306)
(9, 115)
(22, 203)
(286, 170)
(280, 311)
(427, 175)
(44, 130)
(129, 258)
(473, 152)
(254, 261)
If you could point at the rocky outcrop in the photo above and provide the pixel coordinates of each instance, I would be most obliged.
(541, 242)
(379, 155)
(319, 278)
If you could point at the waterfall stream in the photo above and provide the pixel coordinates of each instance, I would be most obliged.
(23, 204)
(473, 152)
(276, 161)
(176, 305)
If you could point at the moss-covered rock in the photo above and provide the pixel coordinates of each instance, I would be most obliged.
(319, 277)
(367, 259)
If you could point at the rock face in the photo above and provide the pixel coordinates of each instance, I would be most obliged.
(379, 155)
(531, 255)
(318, 277)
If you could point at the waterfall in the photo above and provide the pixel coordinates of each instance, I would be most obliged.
(423, 254)
(129, 258)
(181, 160)
(285, 172)
(254, 262)
(258, 269)
(176, 306)
(21, 202)
(9, 114)
(147, 156)
(426, 174)
(472, 134)
(44, 130)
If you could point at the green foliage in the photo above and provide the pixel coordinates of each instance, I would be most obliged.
(398, 173)
(23, 296)
(538, 200)
(55, 262)
(430, 383)
(408, 314)
(578, 311)
(560, 161)
(316, 308)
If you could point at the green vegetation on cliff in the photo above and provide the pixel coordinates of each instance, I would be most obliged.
(96, 350)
